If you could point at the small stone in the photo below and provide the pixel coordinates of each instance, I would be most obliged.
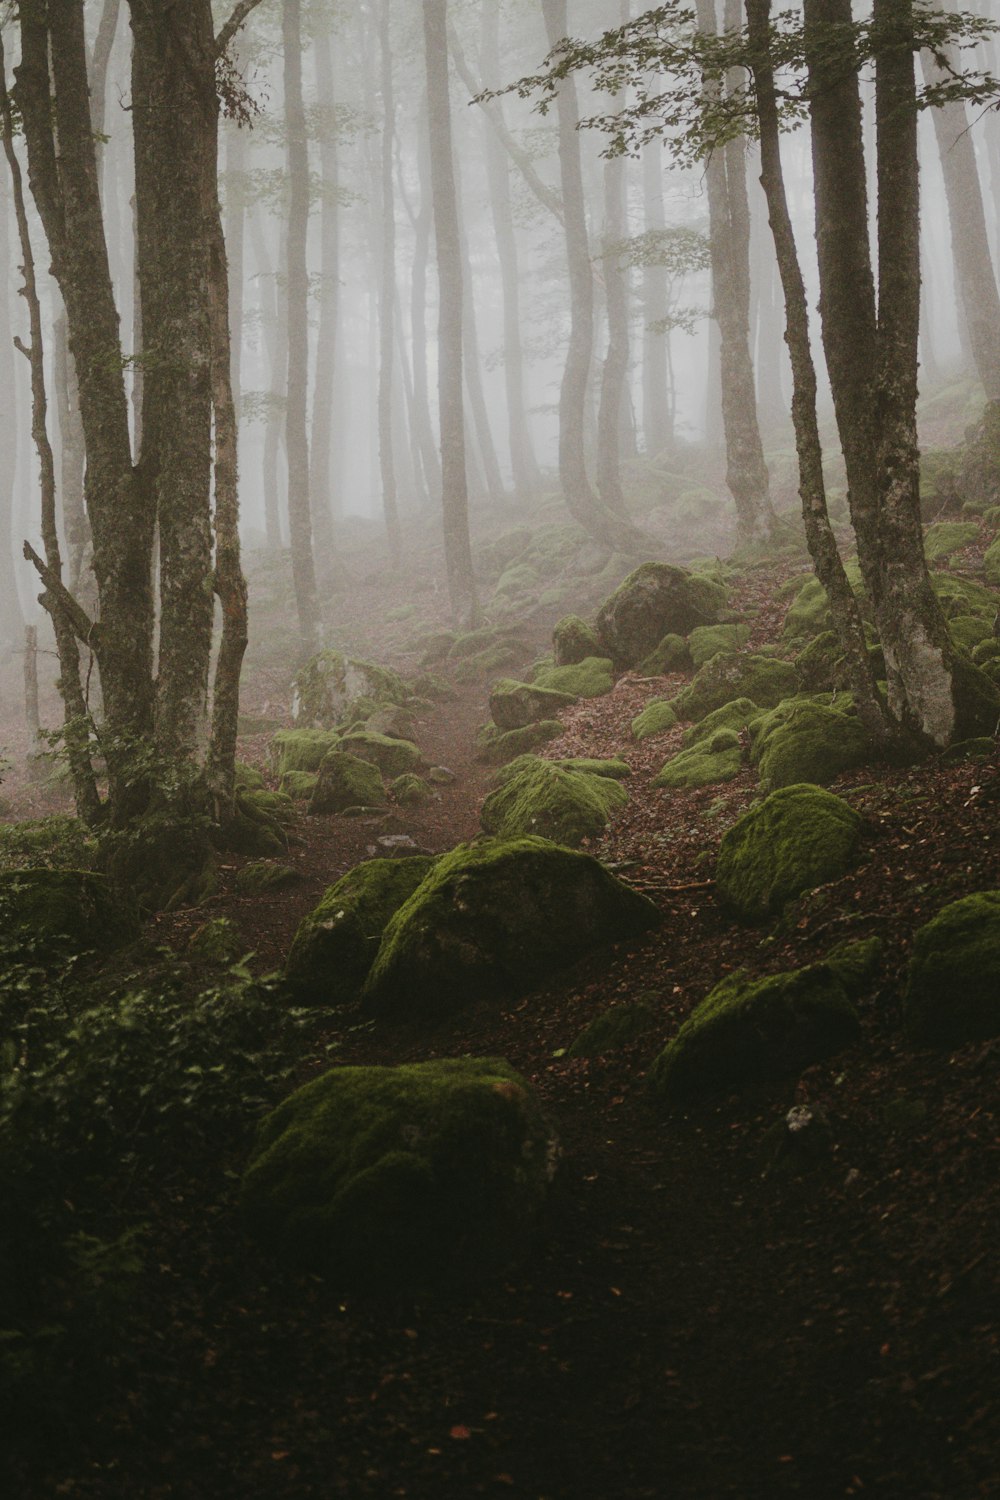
(441, 776)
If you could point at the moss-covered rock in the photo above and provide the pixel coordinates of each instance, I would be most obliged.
(976, 699)
(324, 688)
(960, 596)
(763, 679)
(797, 838)
(618, 770)
(262, 876)
(991, 563)
(393, 757)
(953, 985)
(717, 758)
(391, 720)
(542, 798)
(335, 945)
(65, 911)
(492, 919)
(590, 678)
(487, 662)
(809, 612)
(248, 777)
(432, 686)
(55, 842)
(806, 742)
(706, 641)
(974, 749)
(613, 1029)
(657, 717)
(736, 716)
(653, 601)
(946, 537)
(514, 705)
(818, 663)
(216, 942)
(748, 1032)
(669, 655)
(268, 806)
(301, 749)
(299, 785)
(393, 1179)
(410, 790)
(967, 631)
(573, 640)
(346, 781)
(495, 747)
(855, 963)
(517, 580)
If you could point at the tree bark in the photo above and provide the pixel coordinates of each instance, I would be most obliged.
(430, 458)
(657, 405)
(387, 293)
(615, 368)
(325, 494)
(11, 618)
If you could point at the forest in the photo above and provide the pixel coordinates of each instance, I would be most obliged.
(499, 749)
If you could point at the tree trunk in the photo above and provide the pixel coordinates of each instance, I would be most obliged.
(387, 294)
(297, 284)
(430, 459)
(11, 619)
(473, 374)
(454, 492)
(657, 406)
(615, 368)
(274, 331)
(325, 495)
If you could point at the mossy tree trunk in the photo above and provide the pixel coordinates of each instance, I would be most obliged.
(614, 371)
(387, 291)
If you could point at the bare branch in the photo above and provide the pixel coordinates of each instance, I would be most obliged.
(232, 26)
(70, 607)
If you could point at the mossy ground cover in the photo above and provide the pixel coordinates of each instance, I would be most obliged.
(542, 798)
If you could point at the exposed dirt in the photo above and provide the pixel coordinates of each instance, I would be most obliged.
(686, 1328)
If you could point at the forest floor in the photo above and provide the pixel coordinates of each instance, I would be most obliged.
(687, 1327)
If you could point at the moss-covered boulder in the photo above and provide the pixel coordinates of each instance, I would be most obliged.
(763, 679)
(946, 537)
(346, 781)
(669, 655)
(393, 1179)
(748, 1032)
(410, 790)
(494, 918)
(335, 945)
(300, 749)
(976, 699)
(736, 716)
(393, 757)
(613, 1029)
(658, 716)
(496, 747)
(655, 600)
(64, 911)
(260, 877)
(953, 985)
(573, 640)
(706, 641)
(991, 563)
(248, 777)
(543, 798)
(797, 838)
(216, 942)
(801, 741)
(855, 963)
(299, 785)
(590, 678)
(391, 720)
(960, 596)
(324, 688)
(809, 612)
(968, 631)
(618, 770)
(717, 758)
(514, 705)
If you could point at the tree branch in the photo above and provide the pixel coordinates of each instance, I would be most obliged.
(73, 611)
(232, 26)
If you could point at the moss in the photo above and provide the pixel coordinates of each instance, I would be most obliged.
(335, 944)
(57, 842)
(991, 563)
(573, 640)
(855, 963)
(818, 664)
(216, 942)
(494, 918)
(718, 758)
(475, 641)
(391, 720)
(430, 685)
(392, 1179)
(590, 678)
(806, 742)
(797, 838)
(299, 785)
(809, 613)
(987, 650)
(329, 681)
(974, 749)
(655, 600)
(976, 700)
(261, 876)
(248, 777)
(485, 663)
(706, 641)
(514, 705)
(958, 596)
(946, 537)
(670, 655)
(268, 806)
(254, 828)
(748, 1032)
(618, 770)
(613, 1029)
(967, 631)
(65, 911)
(393, 757)
(518, 579)
(410, 790)
(952, 991)
(657, 717)
(435, 646)
(735, 716)
(495, 747)
(763, 679)
(301, 749)
(542, 798)
(346, 781)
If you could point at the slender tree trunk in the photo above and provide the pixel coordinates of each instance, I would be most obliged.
(418, 316)
(235, 248)
(11, 619)
(454, 492)
(473, 372)
(657, 406)
(614, 371)
(72, 461)
(274, 331)
(325, 495)
(387, 293)
(297, 284)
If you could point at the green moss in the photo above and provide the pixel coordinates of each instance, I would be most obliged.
(216, 942)
(276, 806)
(262, 876)
(435, 646)
(590, 678)
(485, 663)
(991, 563)
(410, 790)
(976, 700)
(855, 963)
(65, 911)
(542, 798)
(613, 1029)
(495, 747)
(987, 650)
(953, 986)
(806, 742)
(657, 717)
(57, 842)
(335, 944)
(430, 685)
(390, 1179)
(735, 716)
(325, 687)
(974, 749)
(797, 838)
(301, 749)
(946, 537)
(763, 679)
(809, 613)
(519, 578)
(573, 640)
(346, 781)
(655, 600)
(718, 758)
(391, 720)
(670, 655)
(393, 757)
(967, 631)
(299, 785)
(618, 770)
(707, 641)
(958, 596)
(818, 664)
(494, 918)
(748, 1032)
(514, 705)
(248, 777)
